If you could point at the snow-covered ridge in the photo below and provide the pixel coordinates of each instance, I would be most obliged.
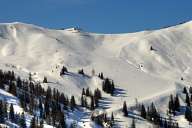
(166, 51)
(143, 65)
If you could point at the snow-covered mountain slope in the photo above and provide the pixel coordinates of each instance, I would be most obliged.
(165, 53)
(143, 65)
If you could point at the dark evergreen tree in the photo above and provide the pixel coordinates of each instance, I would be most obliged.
(177, 103)
(125, 111)
(81, 72)
(92, 106)
(190, 90)
(62, 123)
(30, 77)
(22, 121)
(97, 94)
(152, 113)
(185, 90)
(112, 117)
(13, 89)
(143, 111)
(5, 110)
(82, 101)
(96, 101)
(11, 113)
(108, 86)
(101, 76)
(171, 104)
(87, 92)
(72, 103)
(133, 124)
(31, 104)
(112, 89)
(83, 91)
(188, 114)
(40, 106)
(2, 117)
(63, 71)
(85, 101)
(187, 100)
(45, 80)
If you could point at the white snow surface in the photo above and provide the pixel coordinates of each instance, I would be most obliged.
(145, 65)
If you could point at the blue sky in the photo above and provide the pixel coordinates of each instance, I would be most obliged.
(103, 16)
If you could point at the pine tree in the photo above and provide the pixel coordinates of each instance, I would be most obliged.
(85, 101)
(87, 92)
(83, 91)
(105, 117)
(2, 117)
(82, 101)
(171, 104)
(143, 111)
(22, 122)
(81, 72)
(101, 76)
(112, 117)
(133, 124)
(112, 88)
(30, 77)
(92, 106)
(190, 90)
(40, 106)
(62, 122)
(11, 113)
(13, 89)
(187, 100)
(5, 110)
(177, 103)
(185, 90)
(125, 111)
(72, 103)
(63, 71)
(45, 80)
(97, 94)
(188, 114)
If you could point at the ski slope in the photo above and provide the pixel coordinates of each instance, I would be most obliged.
(144, 65)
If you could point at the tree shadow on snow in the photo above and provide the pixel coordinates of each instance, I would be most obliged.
(120, 92)
(105, 103)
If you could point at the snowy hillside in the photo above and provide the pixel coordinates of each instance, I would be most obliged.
(144, 65)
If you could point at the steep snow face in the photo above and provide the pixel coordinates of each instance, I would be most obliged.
(165, 52)
(153, 56)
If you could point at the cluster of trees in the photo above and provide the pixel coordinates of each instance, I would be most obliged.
(94, 98)
(35, 123)
(174, 104)
(81, 72)
(11, 115)
(152, 115)
(63, 71)
(101, 76)
(103, 120)
(50, 103)
(108, 86)
(188, 100)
